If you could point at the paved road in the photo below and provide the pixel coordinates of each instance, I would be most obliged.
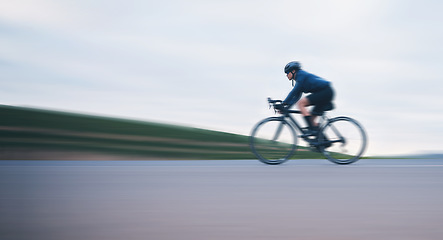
(162, 200)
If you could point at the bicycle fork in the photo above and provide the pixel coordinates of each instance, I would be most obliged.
(278, 132)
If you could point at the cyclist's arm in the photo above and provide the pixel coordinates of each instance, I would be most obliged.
(294, 95)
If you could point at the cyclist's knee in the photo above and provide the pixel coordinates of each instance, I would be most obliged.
(304, 102)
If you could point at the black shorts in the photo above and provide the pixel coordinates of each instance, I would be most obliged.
(322, 101)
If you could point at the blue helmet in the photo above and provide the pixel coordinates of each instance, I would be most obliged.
(292, 66)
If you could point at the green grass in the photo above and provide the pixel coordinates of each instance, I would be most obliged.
(27, 133)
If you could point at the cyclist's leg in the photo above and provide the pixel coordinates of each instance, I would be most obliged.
(321, 101)
(302, 104)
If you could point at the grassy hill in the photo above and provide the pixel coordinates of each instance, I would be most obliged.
(27, 133)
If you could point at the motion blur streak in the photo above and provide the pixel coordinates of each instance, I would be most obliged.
(38, 134)
(218, 200)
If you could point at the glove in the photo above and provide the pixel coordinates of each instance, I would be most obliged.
(281, 107)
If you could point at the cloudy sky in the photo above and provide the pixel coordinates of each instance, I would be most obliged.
(212, 64)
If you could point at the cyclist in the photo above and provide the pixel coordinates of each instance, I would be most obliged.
(321, 94)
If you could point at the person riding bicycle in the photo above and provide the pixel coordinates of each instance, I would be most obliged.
(321, 95)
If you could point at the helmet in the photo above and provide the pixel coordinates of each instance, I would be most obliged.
(292, 66)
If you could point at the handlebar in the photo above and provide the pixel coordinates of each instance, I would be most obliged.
(279, 103)
(276, 104)
(273, 103)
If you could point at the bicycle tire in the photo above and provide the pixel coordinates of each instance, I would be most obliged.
(347, 138)
(273, 140)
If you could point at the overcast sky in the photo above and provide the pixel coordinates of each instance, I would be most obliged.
(212, 64)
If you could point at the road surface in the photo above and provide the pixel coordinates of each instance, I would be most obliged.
(212, 200)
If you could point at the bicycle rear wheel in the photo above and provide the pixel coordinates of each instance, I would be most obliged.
(342, 140)
(273, 140)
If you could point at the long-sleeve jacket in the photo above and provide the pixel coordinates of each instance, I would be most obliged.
(305, 83)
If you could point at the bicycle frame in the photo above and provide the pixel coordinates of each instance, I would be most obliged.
(294, 123)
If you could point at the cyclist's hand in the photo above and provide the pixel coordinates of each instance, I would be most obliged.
(280, 107)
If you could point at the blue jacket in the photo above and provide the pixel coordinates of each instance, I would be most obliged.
(305, 83)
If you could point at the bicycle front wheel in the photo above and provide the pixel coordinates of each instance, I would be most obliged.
(342, 140)
(273, 140)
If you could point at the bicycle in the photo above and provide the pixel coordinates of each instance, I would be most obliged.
(342, 140)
